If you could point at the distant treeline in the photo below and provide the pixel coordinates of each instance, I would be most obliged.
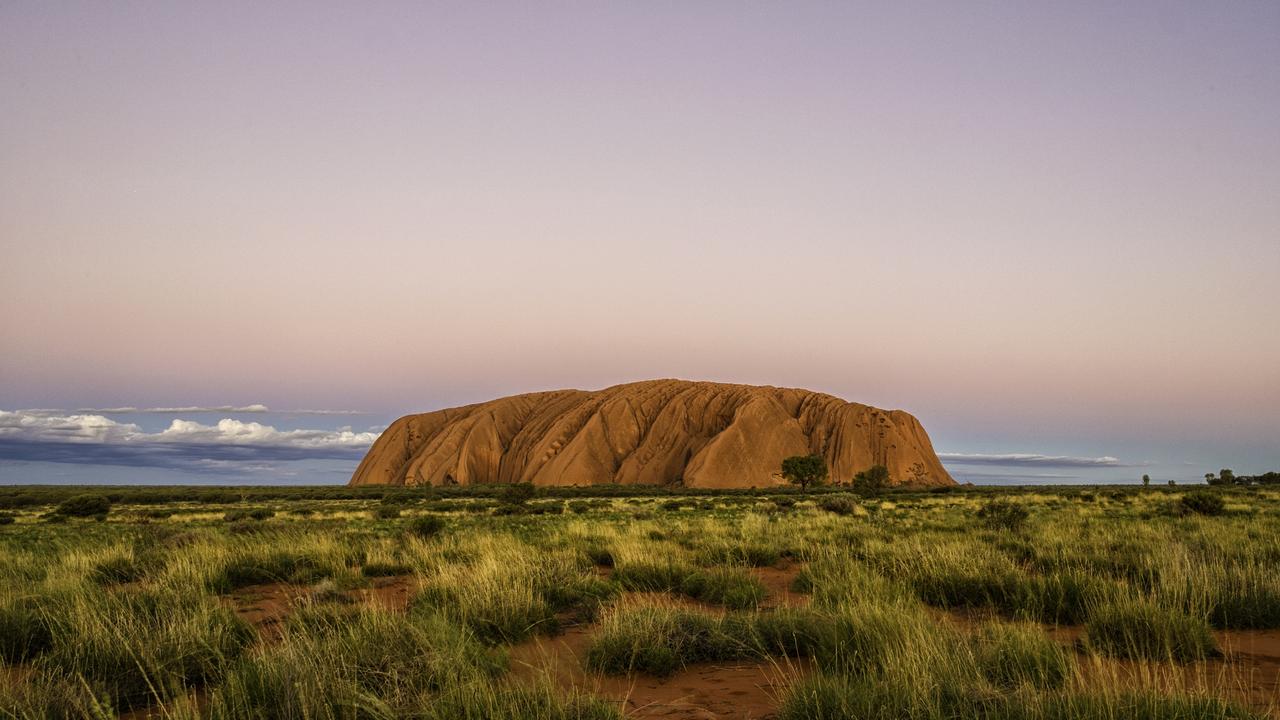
(1227, 477)
(21, 496)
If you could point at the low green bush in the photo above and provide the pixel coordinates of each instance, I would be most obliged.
(426, 526)
(1003, 515)
(839, 504)
(242, 515)
(1203, 502)
(87, 505)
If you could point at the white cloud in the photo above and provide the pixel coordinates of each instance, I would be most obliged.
(27, 425)
(236, 432)
(1028, 459)
(91, 428)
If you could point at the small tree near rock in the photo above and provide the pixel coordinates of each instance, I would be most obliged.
(872, 480)
(804, 470)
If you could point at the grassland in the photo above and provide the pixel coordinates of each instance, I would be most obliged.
(374, 603)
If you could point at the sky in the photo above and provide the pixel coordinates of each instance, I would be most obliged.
(1051, 231)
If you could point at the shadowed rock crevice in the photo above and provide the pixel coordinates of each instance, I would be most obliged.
(659, 432)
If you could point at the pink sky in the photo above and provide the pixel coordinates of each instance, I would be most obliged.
(1032, 227)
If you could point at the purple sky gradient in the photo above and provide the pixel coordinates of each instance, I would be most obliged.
(1040, 227)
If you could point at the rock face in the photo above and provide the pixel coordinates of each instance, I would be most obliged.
(660, 432)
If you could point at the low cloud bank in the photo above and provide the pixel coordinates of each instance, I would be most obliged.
(1028, 460)
(186, 444)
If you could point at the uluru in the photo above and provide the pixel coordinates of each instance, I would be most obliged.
(658, 432)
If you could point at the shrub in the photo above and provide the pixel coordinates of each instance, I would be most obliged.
(427, 526)
(387, 512)
(84, 506)
(839, 504)
(242, 515)
(579, 506)
(6, 519)
(872, 481)
(1003, 515)
(1143, 630)
(1202, 502)
(518, 493)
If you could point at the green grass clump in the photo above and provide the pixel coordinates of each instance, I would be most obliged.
(733, 589)
(384, 569)
(135, 648)
(827, 696)
(118, 569)
(752, 554)
(660, 641)
(481, 701)
(24, 628)
(372, 664)
(269, 568)
(1140, 629)
(1012, 655)
(1133, 705)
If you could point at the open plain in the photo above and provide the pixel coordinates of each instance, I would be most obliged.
(486, 602)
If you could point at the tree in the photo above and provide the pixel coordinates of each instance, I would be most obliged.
(804, 470)
(1226, 477)
(872, 480)
(1210, 479)
(1146, 480)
